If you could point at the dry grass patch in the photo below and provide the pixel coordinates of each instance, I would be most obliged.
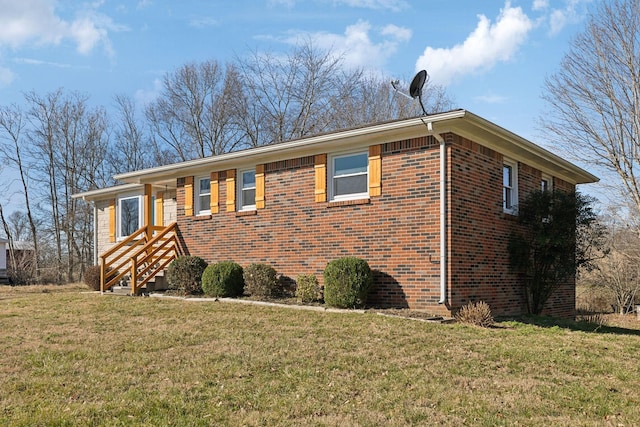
(71, 358)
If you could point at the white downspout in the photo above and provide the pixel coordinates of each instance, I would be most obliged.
(95, 234)
(443, 214)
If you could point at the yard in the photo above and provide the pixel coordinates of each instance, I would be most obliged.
(68, 357)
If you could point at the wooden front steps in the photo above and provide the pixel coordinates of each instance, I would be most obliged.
(140, 259)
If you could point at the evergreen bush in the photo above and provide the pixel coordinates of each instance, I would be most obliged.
(307, 288)
(347, 282)
(223, 279)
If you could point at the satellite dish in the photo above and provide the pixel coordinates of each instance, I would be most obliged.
(415, 90)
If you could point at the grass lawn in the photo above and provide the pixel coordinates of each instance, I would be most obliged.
(74, 358)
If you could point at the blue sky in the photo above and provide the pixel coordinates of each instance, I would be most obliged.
(491, 55)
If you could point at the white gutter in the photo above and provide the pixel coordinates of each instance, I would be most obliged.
(443, 213)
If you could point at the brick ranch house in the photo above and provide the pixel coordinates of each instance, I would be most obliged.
(428, 202)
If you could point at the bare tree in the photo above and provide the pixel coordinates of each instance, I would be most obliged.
(291, 96)
(69, 148)
(130, 149)
(194, 114)
(371, 99)
(618, 271)
(594, 98)
(310, 91)
(12, 124)
(18, 223)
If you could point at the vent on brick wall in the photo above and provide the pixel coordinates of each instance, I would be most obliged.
(289, 164)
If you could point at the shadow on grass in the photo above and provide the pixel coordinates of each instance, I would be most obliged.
(583, 326)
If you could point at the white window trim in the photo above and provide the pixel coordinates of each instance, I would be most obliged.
(239, 197)
(201, 210)
(549, 179)
(330, 175)
(514, 186)
(120, 199)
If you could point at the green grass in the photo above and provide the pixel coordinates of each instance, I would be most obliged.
(72, 358)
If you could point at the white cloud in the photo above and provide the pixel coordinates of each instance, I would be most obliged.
(399, 33)
(572, 13)
(487, 45)
(491, 99)
(204, 22)
(558, 14)
(6, 77)
(394, 5)
(540, 4)
(27, 21)
(144, 97)
(35, 22)
(37, 62)
(357, 45)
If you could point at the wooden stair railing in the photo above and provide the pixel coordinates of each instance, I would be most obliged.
(139, 257)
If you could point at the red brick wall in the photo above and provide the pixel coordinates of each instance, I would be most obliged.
(397, 233)
(480, 232)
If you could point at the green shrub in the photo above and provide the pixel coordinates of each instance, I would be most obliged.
(260, 280)
(223, 279)
(185, 274)
(476, 313)
(307, 288)
(347, 282)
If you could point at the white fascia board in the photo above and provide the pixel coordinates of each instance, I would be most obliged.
(352, 138)
(103, 193)
(460, 122)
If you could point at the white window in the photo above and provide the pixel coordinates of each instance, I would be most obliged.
(247, 190)
(129, 215)
(510, 186)
(203, 196)
(546, 183)
(349, 176)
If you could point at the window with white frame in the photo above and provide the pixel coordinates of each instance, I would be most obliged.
(510, 186)
(129, 218)
(546, 183)
(247, 190)
(203, 196)
(349, 176)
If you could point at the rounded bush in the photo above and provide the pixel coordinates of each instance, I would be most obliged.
(185, 274)
(260, 280)
(307, 288)
(347, 282)
(223, 279)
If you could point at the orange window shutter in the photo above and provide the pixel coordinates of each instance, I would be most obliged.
(159, 220)
(215, 193)
(188, 196)
(260, 187)
(112, 220)
(375, 171)
(321, 177)
(231, 190)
